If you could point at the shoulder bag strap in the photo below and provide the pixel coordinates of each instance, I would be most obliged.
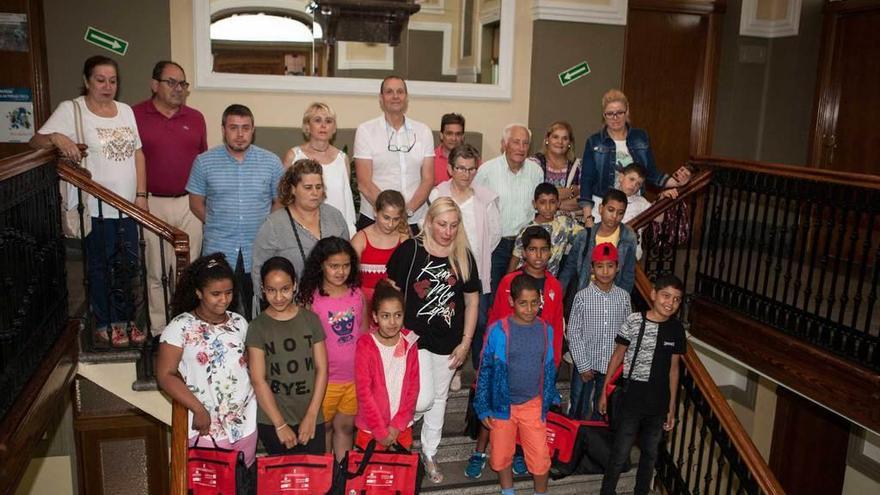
(79, 128)
(409, 272)
(632, 363)
(296, 234)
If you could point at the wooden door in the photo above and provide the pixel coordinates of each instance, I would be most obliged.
(847, 112)
(670, 67)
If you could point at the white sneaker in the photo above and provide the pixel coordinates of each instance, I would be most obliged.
(455, 384)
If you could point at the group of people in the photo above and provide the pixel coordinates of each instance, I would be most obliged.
(313, 327)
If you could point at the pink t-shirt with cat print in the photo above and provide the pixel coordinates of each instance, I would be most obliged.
(341, 318)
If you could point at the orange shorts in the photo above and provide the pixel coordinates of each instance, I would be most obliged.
(404, 438)
(525, 419)
(339, 398)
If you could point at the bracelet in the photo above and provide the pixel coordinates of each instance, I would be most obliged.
(279, 428)
(141, 195)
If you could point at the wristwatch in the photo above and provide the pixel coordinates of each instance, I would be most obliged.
(409, 213)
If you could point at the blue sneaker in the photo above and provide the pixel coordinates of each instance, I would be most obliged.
(519, 465)
(475, 465)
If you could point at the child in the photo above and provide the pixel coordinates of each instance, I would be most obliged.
(289, 420)
(516, 386)
(648, 406)
(387, 381)
(562, 228)
(330, 287)
(596, 314)
(610, 229)
(537, 242)
(375, 243)
(204, 343)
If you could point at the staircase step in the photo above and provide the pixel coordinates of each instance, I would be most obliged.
(456, 483)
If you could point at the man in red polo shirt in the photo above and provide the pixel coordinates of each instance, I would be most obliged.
(451, 135)
(172, 134)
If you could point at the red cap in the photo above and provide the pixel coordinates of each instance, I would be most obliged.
(604, 252)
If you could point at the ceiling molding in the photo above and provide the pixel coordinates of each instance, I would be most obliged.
(750, 25)
(438, 7)
(574, 11)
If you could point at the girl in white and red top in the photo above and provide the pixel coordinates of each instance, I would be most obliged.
(376, 243)
(330, 287)
(387, 361)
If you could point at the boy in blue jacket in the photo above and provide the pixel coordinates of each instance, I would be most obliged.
(516, 385)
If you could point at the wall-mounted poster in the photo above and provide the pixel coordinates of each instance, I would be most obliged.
(17, 112)
(13, 32)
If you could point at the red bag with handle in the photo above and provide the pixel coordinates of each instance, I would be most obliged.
(215, 471)
(295, 474)
(396, 471)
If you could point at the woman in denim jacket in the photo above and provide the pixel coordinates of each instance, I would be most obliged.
(614, 147)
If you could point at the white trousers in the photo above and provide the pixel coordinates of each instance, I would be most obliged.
(176, 212)
(434, 378)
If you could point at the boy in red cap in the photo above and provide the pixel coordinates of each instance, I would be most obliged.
(597, 313)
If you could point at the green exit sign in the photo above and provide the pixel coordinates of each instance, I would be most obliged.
(572, 74)
(106, 41)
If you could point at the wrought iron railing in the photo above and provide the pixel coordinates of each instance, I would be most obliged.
(33, 289)
(114, 266)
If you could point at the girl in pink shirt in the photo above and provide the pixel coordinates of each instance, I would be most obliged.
(388, 374)
(330, 287)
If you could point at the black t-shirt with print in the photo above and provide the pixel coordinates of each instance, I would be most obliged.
(659, 343)
(434, 307)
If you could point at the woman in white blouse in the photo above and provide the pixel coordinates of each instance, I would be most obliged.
(319, 129)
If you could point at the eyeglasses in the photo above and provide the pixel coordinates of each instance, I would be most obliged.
(174, 83)
(614, 115)
(464, 170)
(396, 147)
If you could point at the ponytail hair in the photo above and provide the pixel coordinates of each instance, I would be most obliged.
(394, 199)
(197, 276)
(384, 291)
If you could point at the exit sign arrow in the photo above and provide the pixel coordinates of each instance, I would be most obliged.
(106, 41)
(572, 74)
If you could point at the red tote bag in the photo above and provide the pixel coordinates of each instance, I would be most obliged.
(215, 471)
(396, 472)
(295, 474)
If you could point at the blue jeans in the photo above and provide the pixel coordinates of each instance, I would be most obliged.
(584, 390)
(649, 430)
(500, 259)
(112, 264)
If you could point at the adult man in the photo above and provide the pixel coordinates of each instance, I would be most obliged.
(514, 179)
(172, 135)
(394, 152)
(451, 135)
(232, 189)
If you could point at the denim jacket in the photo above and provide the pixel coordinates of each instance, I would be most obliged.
(492, 398)
(599, 166)
(577, 263)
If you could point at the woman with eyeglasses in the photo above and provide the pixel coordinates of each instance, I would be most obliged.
(614, 147)
(319, 129)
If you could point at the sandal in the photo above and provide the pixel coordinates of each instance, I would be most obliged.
(136, 335)
(432, 469)
(101, 338)
(118, 336)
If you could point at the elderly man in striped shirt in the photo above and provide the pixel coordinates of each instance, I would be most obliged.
(598, 312)
(514, 179)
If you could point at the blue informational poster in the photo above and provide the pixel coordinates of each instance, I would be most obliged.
(17, 112)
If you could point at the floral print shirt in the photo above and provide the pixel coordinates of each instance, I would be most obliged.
(214, 368)
(563, 229)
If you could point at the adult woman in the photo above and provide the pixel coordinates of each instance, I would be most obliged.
(294, 230)
(376, 243)
(319, 128)
(560, 166)
(614, 147)
(439, 278)
(115, 161)
(481, 220)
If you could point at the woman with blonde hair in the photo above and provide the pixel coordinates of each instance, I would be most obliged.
(439, 279)
(615, 146)
(560, 166)
(319, 129)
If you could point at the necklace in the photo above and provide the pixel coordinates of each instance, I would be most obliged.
(312, 146)
(199, 316)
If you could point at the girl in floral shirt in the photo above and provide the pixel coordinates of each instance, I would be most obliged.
(205, 343)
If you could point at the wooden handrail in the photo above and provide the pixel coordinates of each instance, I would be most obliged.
(792, 171)
(727, 419)
(22, 162)
(694, 186)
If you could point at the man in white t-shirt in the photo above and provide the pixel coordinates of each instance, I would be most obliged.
(394, 152)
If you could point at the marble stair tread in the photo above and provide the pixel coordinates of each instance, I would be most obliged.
(456, 483)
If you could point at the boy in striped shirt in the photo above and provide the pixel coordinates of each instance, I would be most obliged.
(597, 313)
